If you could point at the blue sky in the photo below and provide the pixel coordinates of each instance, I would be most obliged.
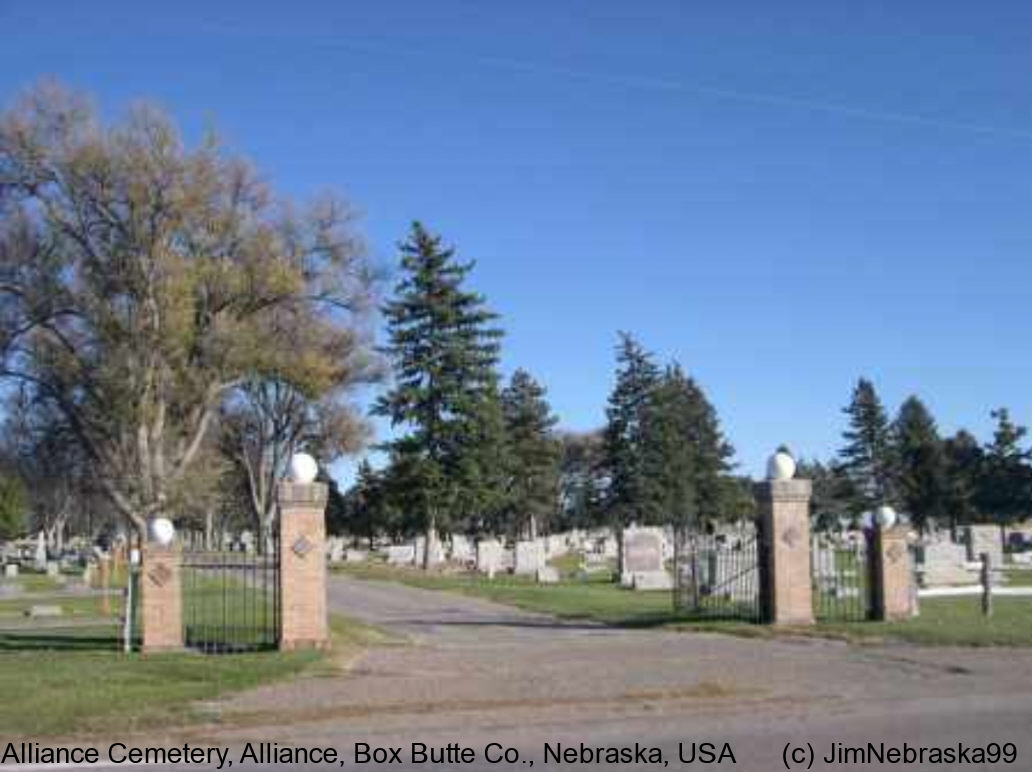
(783, 197)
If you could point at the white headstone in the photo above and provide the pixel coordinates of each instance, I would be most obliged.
(41, 552)
(401, 554)
(355, 556)
(642, 559)
(489, 553)
(547, 575)
(530, 556)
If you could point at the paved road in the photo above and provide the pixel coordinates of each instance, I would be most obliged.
(473, 673)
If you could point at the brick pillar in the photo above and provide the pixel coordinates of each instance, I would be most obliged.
(892, 594)
(161, 598)
(303, 614)
(784, 531)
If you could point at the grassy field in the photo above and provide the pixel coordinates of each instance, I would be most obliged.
(74, 682)
(37, 583)
(71, 605)
(943, 621)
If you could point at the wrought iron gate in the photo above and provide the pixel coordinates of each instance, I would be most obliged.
(716, 576)
(840, 577)
(231, 600)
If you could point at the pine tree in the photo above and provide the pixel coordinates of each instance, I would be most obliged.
(366, 505)
(485, 466)
(867, 457)
(1005, 485)
(444, 351)
(686, 455)
(582, 480)
(628, 494)
(964, 462)
(14, 508)
(831, 494)
(533, 455)
(921, 480)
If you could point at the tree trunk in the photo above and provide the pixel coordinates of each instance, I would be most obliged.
(431, 534)
(209, 530)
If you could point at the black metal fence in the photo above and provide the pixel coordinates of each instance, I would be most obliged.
(717, 576)
(231, 600)
(840, 576)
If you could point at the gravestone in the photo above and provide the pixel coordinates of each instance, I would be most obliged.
(355, 556)
(642, 559)
(462, 549)
(401, 554)
(53, 569)
(652, 580)
(529, 558)
(984, 538)
(489, 556)
(943, 563)
(548, 575)
(335, 549)
(434, 551)
(11, 571)
(41, 612)
(41, 552)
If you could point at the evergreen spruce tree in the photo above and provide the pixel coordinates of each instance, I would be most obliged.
(686, 456)
(582, 480)
(486, 466)
(964, 462)
(533, 455)
(867, 458)
(829, 501)
(366, 504)
(444, 352)
(921, 472)
(1005, 485)
(628, 494)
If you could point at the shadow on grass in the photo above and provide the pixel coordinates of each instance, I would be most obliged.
(60, 640)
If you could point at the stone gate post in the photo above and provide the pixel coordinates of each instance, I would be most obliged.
(784, 531)
(302, 547)
(161, 597)
(892, 596)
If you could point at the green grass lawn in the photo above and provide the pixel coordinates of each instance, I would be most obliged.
(74, 682)
(71, 605)
(943, 621)
(228, 611)
(1018, 578)
(951, 622)
(38, 583)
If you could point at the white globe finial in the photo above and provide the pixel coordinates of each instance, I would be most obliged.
(303, 468)
(162, 531)
(885, 516)
(781, 466)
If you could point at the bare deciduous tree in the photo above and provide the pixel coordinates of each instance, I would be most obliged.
(143, 283)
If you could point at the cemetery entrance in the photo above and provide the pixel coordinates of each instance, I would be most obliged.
(839, 573)
(717, 575)
(231, 599)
